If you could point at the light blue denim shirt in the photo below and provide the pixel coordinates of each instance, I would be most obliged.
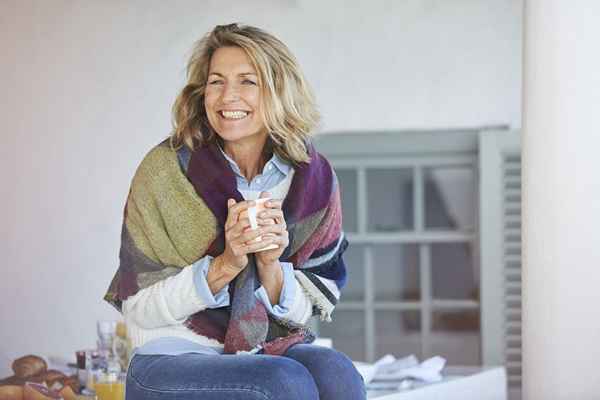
(273, 173)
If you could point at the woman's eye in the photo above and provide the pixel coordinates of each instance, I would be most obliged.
(248, 82)
(217, 82)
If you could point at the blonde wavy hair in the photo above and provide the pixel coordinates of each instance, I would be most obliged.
(289, 109)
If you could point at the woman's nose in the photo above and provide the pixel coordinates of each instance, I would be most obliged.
(230, 93)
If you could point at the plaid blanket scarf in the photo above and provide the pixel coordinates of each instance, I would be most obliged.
(175, 214)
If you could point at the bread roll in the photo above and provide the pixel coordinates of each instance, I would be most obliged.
(13, 380)
(28, 366)
(67, 393)
(11, 392)
(73, 382)
(35, 391)
(52, 376)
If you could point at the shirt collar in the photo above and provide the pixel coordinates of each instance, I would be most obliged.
(280, 164)
(275, 160)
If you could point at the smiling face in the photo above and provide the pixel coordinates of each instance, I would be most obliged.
(232, 97)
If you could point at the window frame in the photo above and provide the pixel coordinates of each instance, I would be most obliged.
(417, 151)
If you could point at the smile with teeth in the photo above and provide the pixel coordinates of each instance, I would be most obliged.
(233, 114)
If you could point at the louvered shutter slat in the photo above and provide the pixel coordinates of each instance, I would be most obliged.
(511, 170)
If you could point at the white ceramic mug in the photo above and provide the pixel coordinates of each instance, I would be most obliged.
(252, 216)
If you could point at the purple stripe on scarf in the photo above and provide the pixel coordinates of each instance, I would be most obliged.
(314, 178)
(213, 179)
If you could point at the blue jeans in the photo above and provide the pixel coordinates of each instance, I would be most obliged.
(304, 372)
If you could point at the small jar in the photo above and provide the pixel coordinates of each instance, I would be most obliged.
(110, 386)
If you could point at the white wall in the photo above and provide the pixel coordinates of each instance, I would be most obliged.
(87, 88)
(561, 211)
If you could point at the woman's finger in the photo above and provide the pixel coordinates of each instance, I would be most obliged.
(252, 248)
(238, 228)
(282, 240)
(263, 222)
(249, 235)
(271, 213)
(235, 210)
(242, 248)
(275, 219)
(274, 203)
(230, 219)
(276, 229)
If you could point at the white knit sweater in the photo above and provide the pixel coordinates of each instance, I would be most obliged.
(160, 310)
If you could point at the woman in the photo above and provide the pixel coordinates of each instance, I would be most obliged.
(211, 314)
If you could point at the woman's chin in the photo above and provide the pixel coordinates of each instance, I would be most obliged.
(237, 135)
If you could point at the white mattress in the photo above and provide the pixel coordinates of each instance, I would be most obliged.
(460, 383)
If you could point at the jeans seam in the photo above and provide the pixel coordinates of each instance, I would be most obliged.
(148, 388)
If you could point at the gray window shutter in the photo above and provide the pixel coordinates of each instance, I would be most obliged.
(500, 235)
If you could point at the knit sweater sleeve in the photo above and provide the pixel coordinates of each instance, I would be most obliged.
(172, 300)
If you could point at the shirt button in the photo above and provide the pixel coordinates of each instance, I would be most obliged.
(270, 167)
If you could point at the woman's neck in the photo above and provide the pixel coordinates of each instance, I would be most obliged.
(249, 157)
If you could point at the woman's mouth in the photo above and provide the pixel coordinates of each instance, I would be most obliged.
(233, 115)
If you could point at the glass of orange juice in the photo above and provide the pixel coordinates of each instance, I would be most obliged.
(110, 387)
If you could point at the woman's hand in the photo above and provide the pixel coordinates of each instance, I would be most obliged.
(267, 262)
(272, 222)
(239, 241)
